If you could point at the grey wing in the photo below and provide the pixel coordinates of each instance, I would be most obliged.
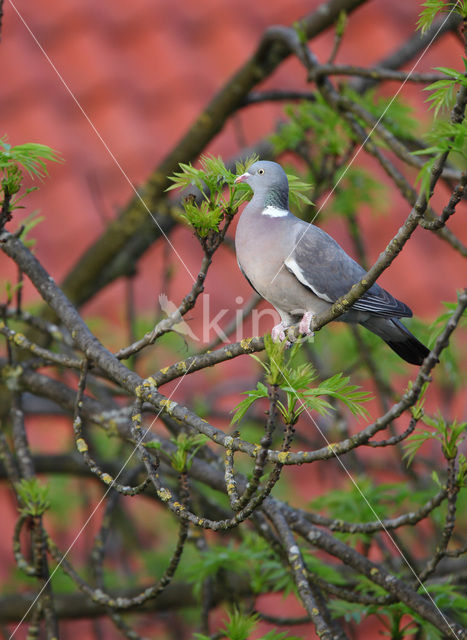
(320, 264)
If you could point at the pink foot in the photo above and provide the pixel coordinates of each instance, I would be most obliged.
(304, 326)
(278, 332)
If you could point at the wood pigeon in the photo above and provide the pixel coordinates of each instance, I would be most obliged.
(302, 271)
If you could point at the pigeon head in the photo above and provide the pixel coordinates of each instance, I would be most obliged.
(269, 183)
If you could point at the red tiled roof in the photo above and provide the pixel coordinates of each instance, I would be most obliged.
(142, 71)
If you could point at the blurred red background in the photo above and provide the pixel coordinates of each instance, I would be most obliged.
(141, 72)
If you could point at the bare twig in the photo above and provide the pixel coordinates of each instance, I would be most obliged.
(441, 547)
(412, 47)
(377, 574)
(310, 595)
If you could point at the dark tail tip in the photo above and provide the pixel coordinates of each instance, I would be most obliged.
(407, 346)
(411, 350)
(398, 337)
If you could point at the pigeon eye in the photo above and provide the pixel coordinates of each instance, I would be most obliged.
(260, 171)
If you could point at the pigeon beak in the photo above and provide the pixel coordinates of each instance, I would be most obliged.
(243, 178)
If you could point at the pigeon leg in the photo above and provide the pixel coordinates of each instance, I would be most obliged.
(304, 326)
(278, 332)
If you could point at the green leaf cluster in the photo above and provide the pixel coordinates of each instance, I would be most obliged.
(346, 503)
(252, 558)
(438, 325)
(31, 158)
(449, 597)
(431, 8)
(216, 184)
(240, 626)
(314, 124)
(10, 290)
(320, 135)
(204, 217)
(322, 569)
(252, 396)
(298, 380)
(298, 189)
(444, 136)
(33, 496)
(341, 24)
(220, 194)
(442, 91)
(399, 619)
(392, 112)
(449, 434)
(28, 224)
(187, 447)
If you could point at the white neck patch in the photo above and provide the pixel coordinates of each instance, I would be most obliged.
(274, 212)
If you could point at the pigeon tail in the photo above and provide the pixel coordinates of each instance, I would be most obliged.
(399, 338)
